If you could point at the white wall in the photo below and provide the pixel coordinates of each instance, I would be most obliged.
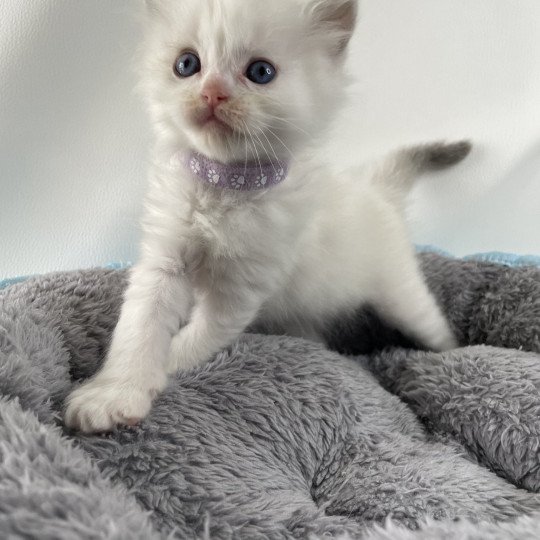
(73, 136)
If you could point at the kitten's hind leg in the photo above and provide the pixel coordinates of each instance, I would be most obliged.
(403, 299)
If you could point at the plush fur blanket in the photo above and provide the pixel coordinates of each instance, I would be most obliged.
(278, 438)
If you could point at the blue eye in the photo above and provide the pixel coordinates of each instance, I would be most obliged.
(187, 65)
(261, 72)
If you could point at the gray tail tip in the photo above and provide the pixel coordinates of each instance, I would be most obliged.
(441, 155)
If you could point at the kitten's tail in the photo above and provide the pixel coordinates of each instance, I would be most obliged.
(400, 171)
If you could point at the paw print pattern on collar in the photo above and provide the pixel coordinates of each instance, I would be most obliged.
(236, 176)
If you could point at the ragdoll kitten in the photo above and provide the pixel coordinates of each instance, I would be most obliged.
(240, 224)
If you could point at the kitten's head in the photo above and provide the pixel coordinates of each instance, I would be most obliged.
(236, 78)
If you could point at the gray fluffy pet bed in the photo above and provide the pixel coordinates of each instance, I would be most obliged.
(277, 437)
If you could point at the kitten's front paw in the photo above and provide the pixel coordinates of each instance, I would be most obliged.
(101, 404)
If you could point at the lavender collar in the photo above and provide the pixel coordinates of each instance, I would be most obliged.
(238, 176)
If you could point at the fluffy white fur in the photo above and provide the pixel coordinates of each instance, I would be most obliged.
(293, 256)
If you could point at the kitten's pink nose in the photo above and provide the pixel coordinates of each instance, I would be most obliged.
(215, 94)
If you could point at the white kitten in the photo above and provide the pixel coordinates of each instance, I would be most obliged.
(252, 84)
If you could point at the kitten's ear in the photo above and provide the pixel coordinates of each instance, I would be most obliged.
(337, 17)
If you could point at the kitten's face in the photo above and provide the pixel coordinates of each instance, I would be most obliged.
(245, 79)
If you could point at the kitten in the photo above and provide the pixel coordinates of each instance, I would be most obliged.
(243, 222)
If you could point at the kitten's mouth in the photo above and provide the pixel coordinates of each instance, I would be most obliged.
(211, 121)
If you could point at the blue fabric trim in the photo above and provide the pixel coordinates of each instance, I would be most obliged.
(118, 265)
(13, 281)
(506, 259)
(432, 249)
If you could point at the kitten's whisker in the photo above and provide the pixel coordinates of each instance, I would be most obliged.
(266, 151)
(246, 131)
(255, 148)
(292, 124)
(272, 148)
(245, 163)
(258, 158)
(288, 119)
(246, 146)
(269, 119)
(284, 145)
